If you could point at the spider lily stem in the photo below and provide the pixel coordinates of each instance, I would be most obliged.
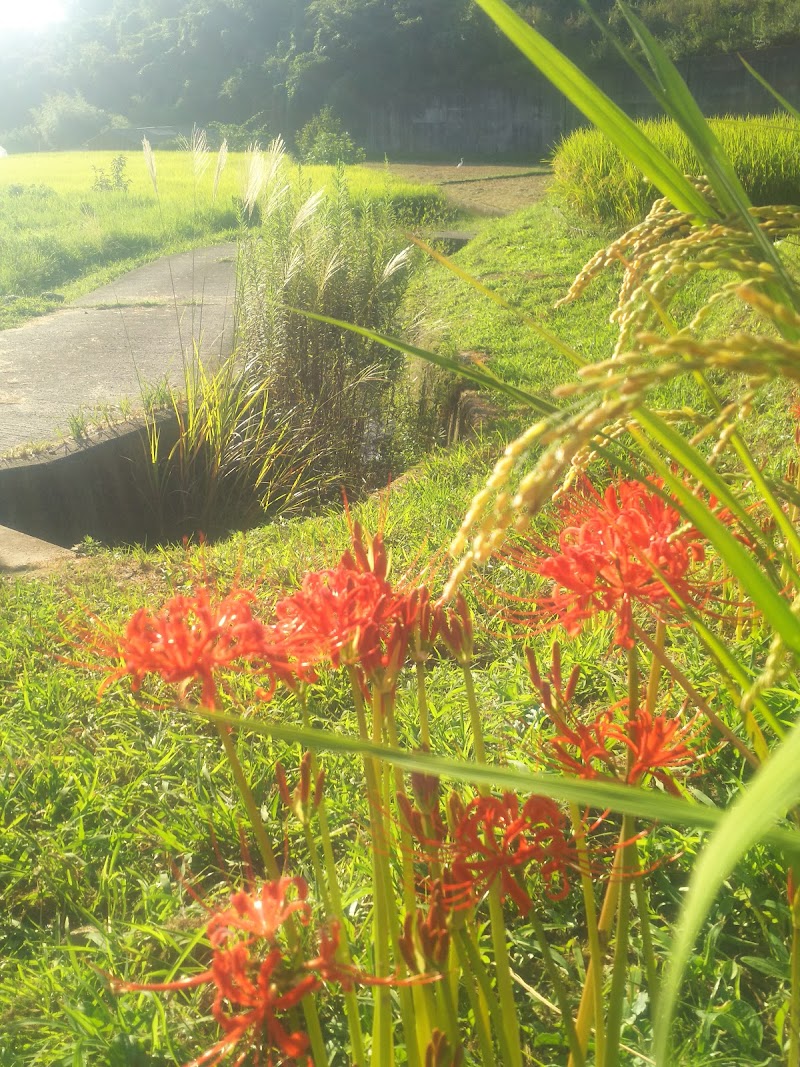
(505, 985)
(593, 987)
(561, 995)
(313, 1026)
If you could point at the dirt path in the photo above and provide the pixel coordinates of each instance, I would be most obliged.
(479, 190)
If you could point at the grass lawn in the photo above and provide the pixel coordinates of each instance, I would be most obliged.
(109, 804)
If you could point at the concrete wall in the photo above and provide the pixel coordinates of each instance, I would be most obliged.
(526, 123)
(93, 488)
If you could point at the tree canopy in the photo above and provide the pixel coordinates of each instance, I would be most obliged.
(155, 62)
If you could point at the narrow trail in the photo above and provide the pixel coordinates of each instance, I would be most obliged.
(101, 349)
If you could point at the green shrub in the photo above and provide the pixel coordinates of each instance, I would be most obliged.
(68, 120)
(592, 175)
(324, 140)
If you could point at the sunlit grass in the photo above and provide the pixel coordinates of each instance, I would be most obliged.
(59, 234)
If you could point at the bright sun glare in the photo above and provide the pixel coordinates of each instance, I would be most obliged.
(30, 15)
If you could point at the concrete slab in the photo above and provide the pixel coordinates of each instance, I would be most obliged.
(20, 553)
(108, 344)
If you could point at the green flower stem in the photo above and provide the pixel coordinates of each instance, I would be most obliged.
(265, 848)
(472, 966)
(793, 1059)
(382, 1051)
(253, 814)
(422, 704)
(592, 988)
(447, 1012)
(655, 668)
(334, 897)
(406, 843)
(352, 1012)
(474, 715)
(594, 973)
(558, 986)
(387, 921)
(648, 952)
(628, 868)
(619, 971)
(505, 985)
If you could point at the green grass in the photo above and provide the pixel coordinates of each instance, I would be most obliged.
(101, 799)
(59, 236)
(594, 178)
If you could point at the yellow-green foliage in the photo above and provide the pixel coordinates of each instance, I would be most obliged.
(58, 232)
(592, 175)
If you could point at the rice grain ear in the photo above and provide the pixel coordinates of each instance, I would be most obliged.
(150, 163)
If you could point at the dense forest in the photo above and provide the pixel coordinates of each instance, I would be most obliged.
(269, 65)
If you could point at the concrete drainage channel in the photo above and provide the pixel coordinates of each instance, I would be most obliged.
(50, 501)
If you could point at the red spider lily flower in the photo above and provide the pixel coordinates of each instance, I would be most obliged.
(347, 616)
(613, 551)
(657, 743)
(257, 980)
(579, 747)
(191, 638)
(496, 838)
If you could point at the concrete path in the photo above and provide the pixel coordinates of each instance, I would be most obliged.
(103, 347)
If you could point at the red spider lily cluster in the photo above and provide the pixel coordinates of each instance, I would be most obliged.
(615, 551)
(627, 747)
(190, 639)
(348, 615)
(629, 546)
(489, 840)
(258, 976)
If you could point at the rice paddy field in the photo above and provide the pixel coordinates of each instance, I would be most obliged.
(62, 233)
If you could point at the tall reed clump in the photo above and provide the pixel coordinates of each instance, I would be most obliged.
(236, 458)
(595, 176)
(234, 462)
(336, 255)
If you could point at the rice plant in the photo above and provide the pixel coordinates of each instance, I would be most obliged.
(596, 177)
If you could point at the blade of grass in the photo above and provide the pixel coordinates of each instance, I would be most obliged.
(595, 793)
(763, 82)
(466, 370)
(770, 794)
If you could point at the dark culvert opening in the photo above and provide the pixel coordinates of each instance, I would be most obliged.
(91, 488)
